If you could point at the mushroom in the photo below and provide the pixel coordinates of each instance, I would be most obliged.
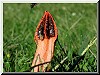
(45, 38)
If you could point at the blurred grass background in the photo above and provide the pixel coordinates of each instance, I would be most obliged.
(76, 23)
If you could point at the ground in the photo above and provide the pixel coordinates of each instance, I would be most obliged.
(77, 26)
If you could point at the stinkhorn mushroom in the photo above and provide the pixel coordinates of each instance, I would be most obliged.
(45, 37)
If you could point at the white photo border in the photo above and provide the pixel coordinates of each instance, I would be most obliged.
(34, 1)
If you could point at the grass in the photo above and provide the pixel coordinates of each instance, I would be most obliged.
(77, 26)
